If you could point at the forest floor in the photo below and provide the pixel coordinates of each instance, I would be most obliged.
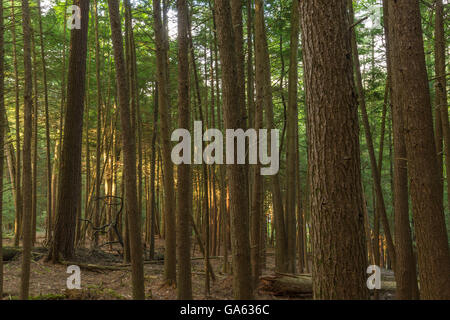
(48, 281)
(105, 277)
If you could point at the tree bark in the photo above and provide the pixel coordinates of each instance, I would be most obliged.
(169, 208)
(184, 195)
(381, 207)
(242, 279)
(18, 199)
(27, 174)
(262, 63)
(129, 154)
(69, 185)
(336, 201)
(291, 140)
(47, 123)
(441, 87)
(405, 262)
(409, 77)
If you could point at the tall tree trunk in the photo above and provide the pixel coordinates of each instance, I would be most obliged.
(334, 172)
(441, 87)
(152, 175)
(262, 63)
(291, 140)
(34, 146)
(18, 199)
(184, 195)
(381, 207)
(69, 185)
(242, 279)
(129, 154)
(47, 124)
(409, 77)
(98, 150)
(405, 262)
(2, 135)
(169, 212)
(27, 176)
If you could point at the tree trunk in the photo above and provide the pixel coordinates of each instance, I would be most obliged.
(98, 151)
(291, 140)
(242, 279)
(47, 124)
(129, 154)
(262, 63)
(410, 81)
(69, 185)
(18, 198)
(27, 175)
(169, 212)
(381, 208)
(333, 154)
(441, 87)
(184, 195)
(405, 263)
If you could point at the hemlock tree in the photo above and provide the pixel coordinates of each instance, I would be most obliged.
(405, 262)
(409, 77)
(232, 109)
(184, 195)
(27, 178)
(69, 186)
(129, 154)
(336, 201)
(163, 104)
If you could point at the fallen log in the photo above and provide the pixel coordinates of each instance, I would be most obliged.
(94, 267)
(10, 252)
(287, 284)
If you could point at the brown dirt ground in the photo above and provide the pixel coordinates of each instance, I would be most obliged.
(48, 281)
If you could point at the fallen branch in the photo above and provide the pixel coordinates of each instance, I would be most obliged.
(281, 284)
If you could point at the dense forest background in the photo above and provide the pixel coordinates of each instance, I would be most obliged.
(102, 162)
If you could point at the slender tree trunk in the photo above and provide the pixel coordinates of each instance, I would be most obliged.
(441, 87)
(34, 146)
(152, 176)
(334, 172)
(242, 279)
(47, 125)
(262, 63)
(18, 199)
(129, 154)
(98, 180)
(369, 140)
(169, 212)
(27, 175)
(184, 195)
(292, 128)
(410, 81)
